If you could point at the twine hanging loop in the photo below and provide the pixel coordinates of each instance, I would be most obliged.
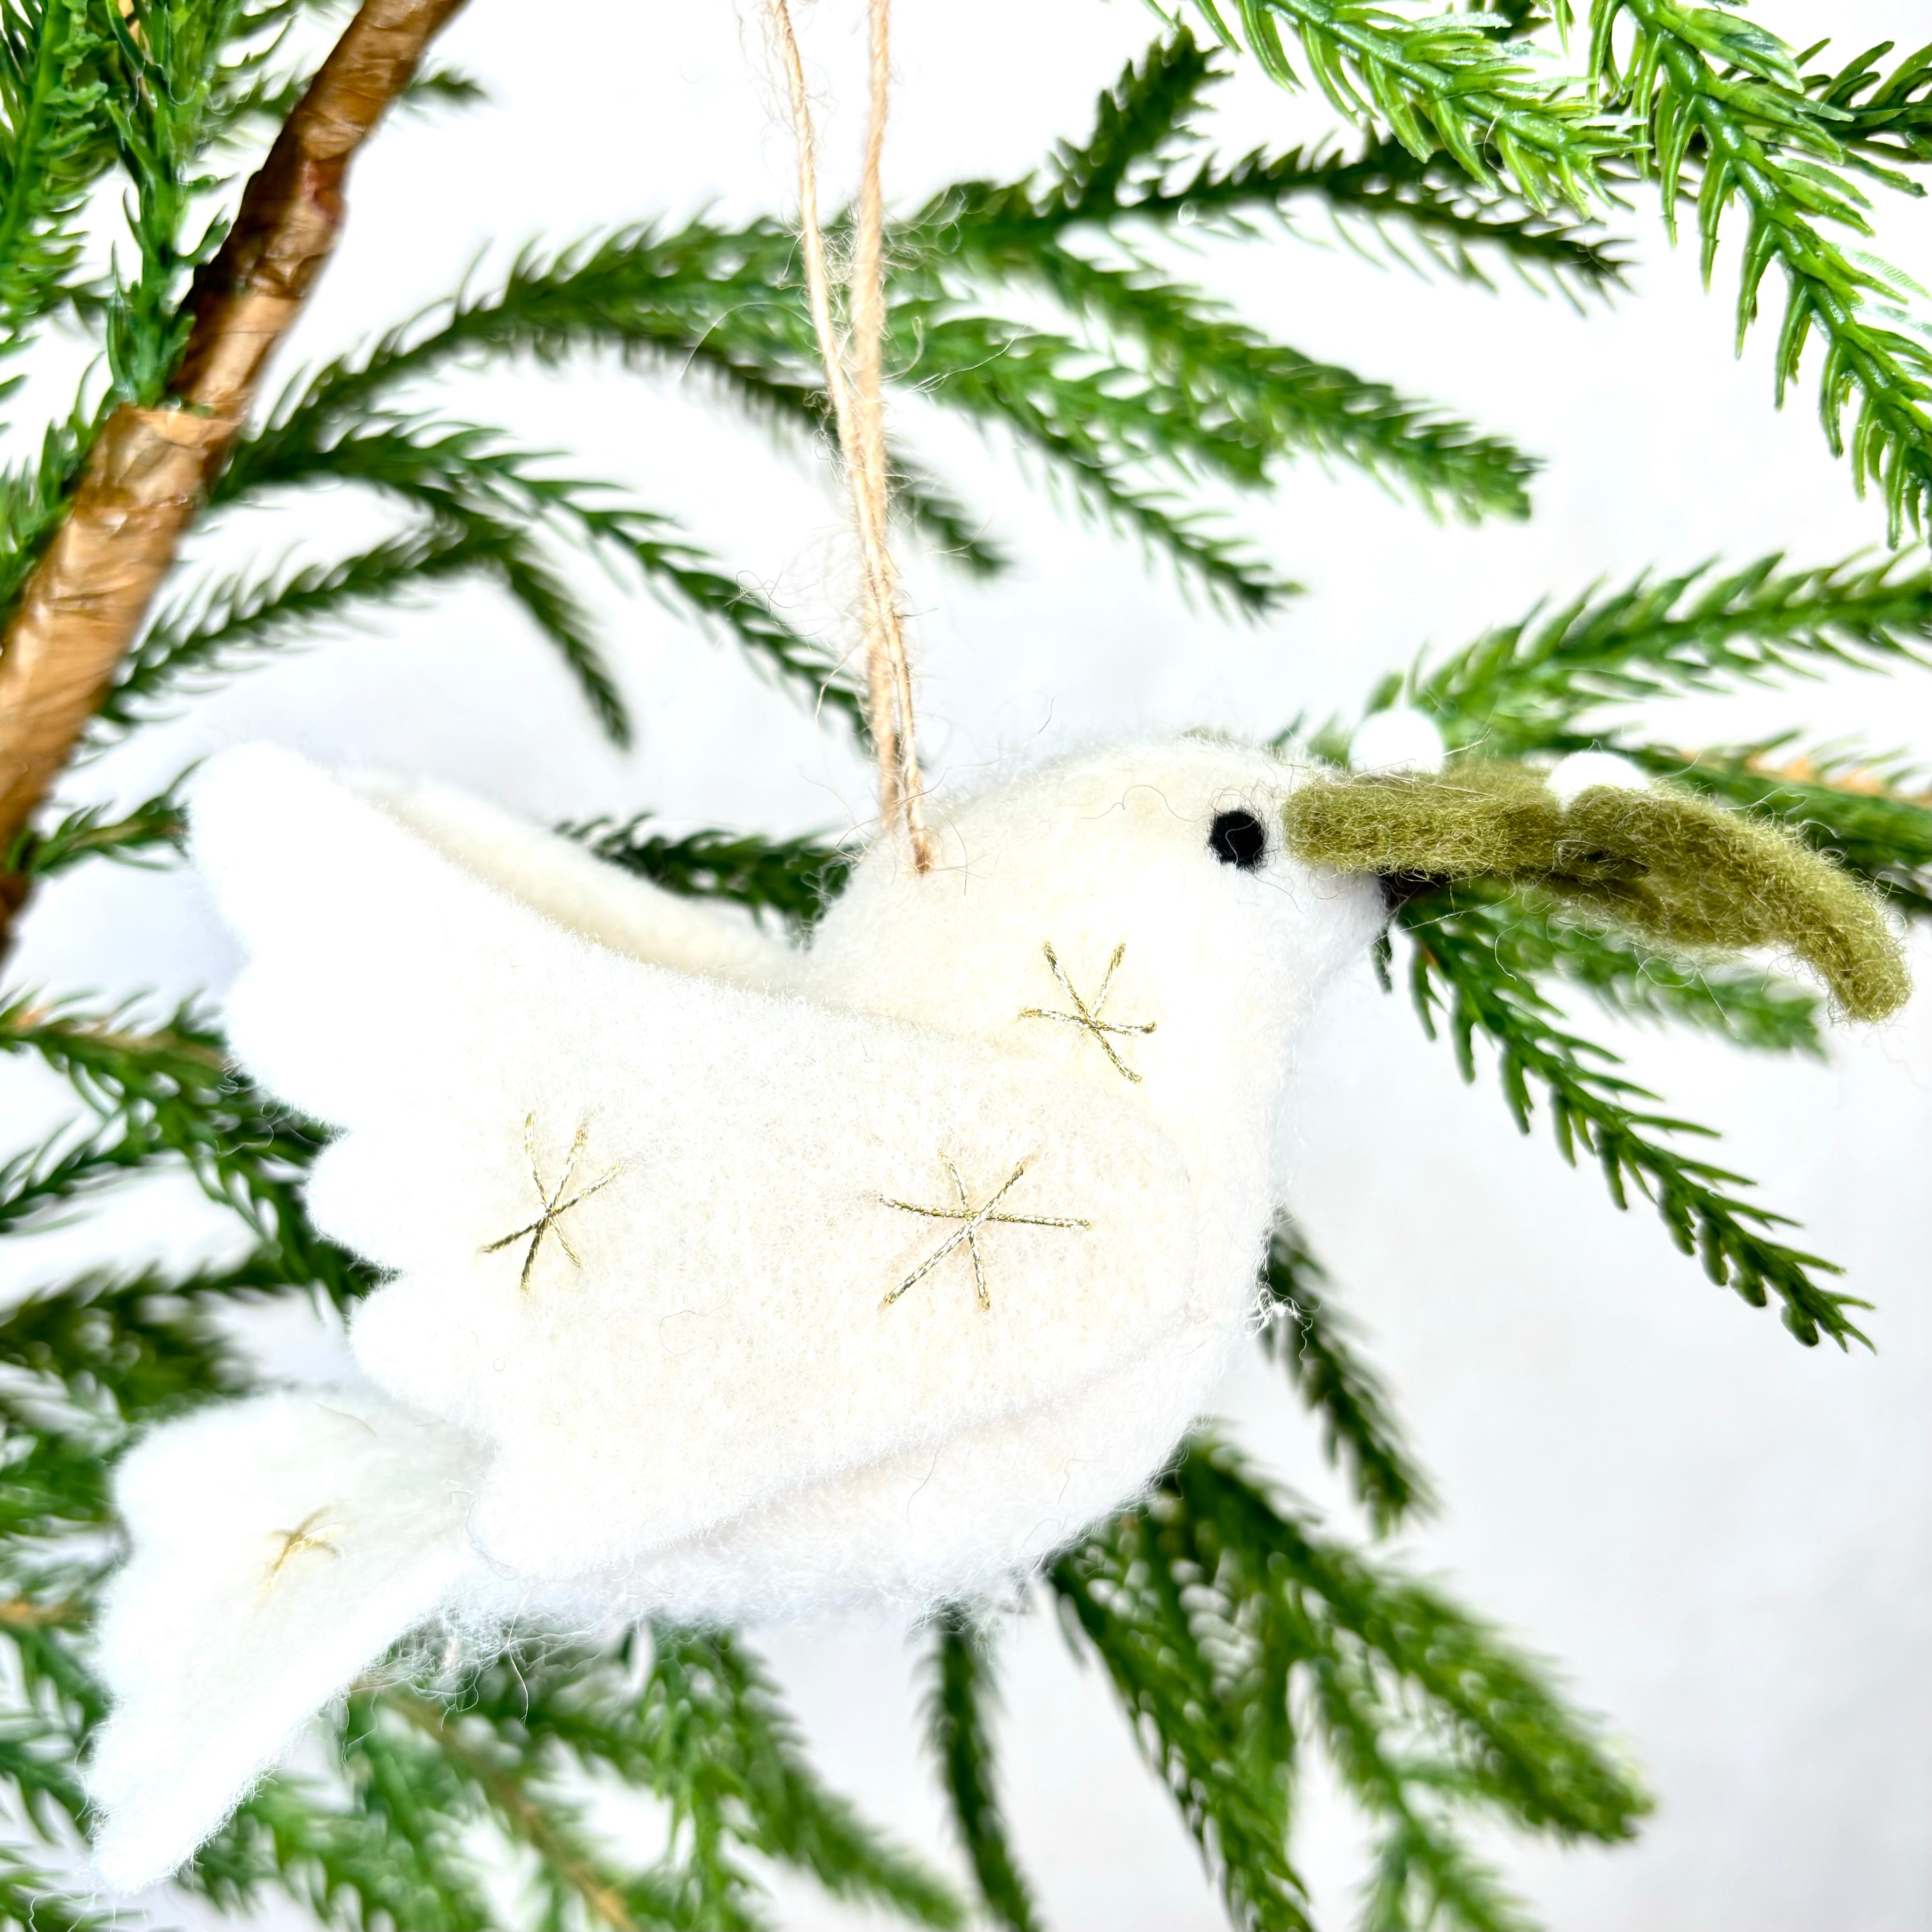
(854, 370)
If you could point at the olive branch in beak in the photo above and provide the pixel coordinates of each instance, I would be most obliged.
(1667, 864)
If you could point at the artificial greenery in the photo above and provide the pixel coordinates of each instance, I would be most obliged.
(1240, 1633)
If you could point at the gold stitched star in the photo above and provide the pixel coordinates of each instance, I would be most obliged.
(1088, 1018)
(554, 1205)
(311, 1533)
(972, 1218)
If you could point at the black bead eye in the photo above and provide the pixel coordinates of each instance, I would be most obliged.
(1238, 839)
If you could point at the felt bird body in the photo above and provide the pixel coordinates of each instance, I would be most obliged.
(724, 1278)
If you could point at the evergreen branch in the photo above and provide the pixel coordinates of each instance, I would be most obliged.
(1449, 215)
(1455, 970)
(725, 300)
(1220, 1613)
(131, 1345)
(1527, 685)
(1130, 1598)
(37, 1760)
(152, 834)
(270, 99)
(1428, 1673)
(211, 634)
(1884, 124)
(37, 1184)
(55, 144)
(34, 499)
(708, 1735)
(172, 1086)
(1139, 124)
(1126, 172)
(482, 494)
(959, 1706)
(1217, 394)
(1702, 79)
(1450, 81)
(29, 1898)
(165, 62)
(423, 1791)
(1314, 1341)
(82, 603)
(479, 497)
(793, 878)
(1089, 428)
(349, 1868)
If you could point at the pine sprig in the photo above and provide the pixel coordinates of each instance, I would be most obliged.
(1220, 1614)
(30, 1897)
(1455, 974)
(1217, 395)
(348, 1867)
(1135, 167)
(1531, 685)
(1458, 224)
(791, 878)
(708, 1735)
(1727, 111)
(170, 1087)
(166, 62)
(1314, 1341)
(42, 1181)
(153, 833)
(1228, 399)
(483, 496)
(1455, 82)
(959, 1707)
(55, 144)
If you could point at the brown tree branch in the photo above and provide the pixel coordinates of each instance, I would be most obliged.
(149, 469)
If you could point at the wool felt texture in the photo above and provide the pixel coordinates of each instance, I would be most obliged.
(1397, 739)
(1663, 863)
(279, 1544)
(676, 1216)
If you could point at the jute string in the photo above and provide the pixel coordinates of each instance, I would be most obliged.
(853, 379)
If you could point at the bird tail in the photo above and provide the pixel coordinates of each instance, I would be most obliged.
(279, 1546)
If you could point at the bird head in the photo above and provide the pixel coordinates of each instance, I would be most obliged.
(1133, 915)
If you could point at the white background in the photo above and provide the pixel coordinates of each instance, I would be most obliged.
(1723, 1537)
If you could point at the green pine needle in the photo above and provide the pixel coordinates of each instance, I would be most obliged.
(55, 144)
(1531, 686)
(29, 1898)
(959, 1708)
(1456, 971)
(791, 878)
(1451, 81)
(153, 833)
(171, 1088)
(1728, 119)
(1314, 1341)
(1225, 1618)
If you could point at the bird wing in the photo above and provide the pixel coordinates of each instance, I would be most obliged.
(673, 1246)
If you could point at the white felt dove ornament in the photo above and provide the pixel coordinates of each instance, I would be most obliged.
(726, 1279)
